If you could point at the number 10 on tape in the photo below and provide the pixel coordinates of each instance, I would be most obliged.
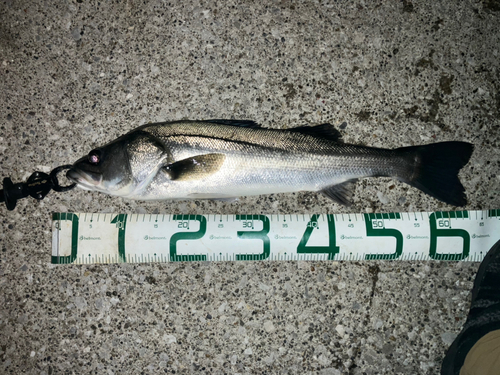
(85, 238)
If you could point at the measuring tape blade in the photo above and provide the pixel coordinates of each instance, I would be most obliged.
(85, 238)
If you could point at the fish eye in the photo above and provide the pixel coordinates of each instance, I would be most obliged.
(95, 157)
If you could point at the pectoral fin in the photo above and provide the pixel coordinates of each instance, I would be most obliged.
(195, 168)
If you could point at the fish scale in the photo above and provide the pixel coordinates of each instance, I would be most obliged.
(221, 159)
(285, 160)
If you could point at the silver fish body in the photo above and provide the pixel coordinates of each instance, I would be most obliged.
(221, 159)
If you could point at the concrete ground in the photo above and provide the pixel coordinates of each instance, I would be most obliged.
(76, 74)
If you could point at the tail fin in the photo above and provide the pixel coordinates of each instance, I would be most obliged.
(436, 169)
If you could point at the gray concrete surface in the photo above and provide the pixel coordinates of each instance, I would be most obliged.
(76, 74)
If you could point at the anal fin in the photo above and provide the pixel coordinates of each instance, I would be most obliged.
(341, 193)
(213, 196)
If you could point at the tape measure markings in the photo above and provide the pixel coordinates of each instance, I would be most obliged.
(91, 238)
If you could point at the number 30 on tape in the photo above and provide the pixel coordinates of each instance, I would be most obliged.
(84, 238)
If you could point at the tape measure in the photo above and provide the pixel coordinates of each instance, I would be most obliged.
(85, 238)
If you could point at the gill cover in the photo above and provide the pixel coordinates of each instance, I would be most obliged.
(146, 155)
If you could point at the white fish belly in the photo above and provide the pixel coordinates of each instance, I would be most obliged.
(243, 175)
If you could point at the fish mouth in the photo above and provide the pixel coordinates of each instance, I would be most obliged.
(83, 179)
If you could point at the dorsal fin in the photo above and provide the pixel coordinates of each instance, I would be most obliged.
(325, 131)
(241, 123)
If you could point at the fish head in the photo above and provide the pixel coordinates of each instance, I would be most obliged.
(122, 167)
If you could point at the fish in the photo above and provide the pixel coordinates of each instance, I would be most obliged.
(226, 159)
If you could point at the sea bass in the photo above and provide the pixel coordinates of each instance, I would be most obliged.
(224, 159)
